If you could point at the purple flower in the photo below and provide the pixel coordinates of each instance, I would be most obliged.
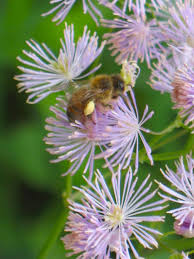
(45, 73)
(107, 221)
(183, 93)
(175, 74)
(139, 5)
(183, 181)
(75, 142)
(64, 6)
(163, 72)
(124, 131)
(179, 28)
(136, 37)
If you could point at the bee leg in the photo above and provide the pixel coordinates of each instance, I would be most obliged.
(89, 109)
(94, 117)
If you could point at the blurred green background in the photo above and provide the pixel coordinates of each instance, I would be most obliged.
(31, 187)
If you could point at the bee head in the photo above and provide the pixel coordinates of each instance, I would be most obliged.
(118, 85)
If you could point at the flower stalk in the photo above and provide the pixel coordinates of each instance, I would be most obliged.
(59, 223)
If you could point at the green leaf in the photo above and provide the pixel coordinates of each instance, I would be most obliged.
(25, 153)
(176, 256)
(181, 244)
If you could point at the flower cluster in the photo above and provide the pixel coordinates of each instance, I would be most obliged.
(107, 221)
(45, 73)
(183, 93)
(98, 118)
(173, 73)
(183, 181)
(116, 133)
(137, 38)
(163, 32)
(123, 133)
(75, 142)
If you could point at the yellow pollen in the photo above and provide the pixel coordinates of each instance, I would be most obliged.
(115, 216)
(190, 41)
(62, 66)
(89, 108)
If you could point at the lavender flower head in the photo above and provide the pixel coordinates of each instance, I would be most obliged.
(46, 73)
(106, 221)
(183, 93)
(183, 181)
(175, 74)
(64, 6)
(136, 37)
(163, 72)
(124, 131)
(77, 141)
(179, 27)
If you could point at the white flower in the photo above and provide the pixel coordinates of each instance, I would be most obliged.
(124, 131)
(107, 221)
(64, 6)
(46, 73)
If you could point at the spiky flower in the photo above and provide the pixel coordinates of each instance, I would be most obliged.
(45, 73)
(124, 131)
(106, 221)
(139, 5)
(183, 93)
(163, 72)
(179, 27)
(63, 7)
(136, 38)
(77, 141)
(182, 194)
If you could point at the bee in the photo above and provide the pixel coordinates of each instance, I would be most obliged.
(101, 90)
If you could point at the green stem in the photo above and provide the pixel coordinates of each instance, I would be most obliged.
(169, 139)
(176, 124)
(67, 193)
(142, 154)
(59, 224)
(168, 234)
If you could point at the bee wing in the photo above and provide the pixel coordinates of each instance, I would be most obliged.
(73, 86)
(91, 94)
